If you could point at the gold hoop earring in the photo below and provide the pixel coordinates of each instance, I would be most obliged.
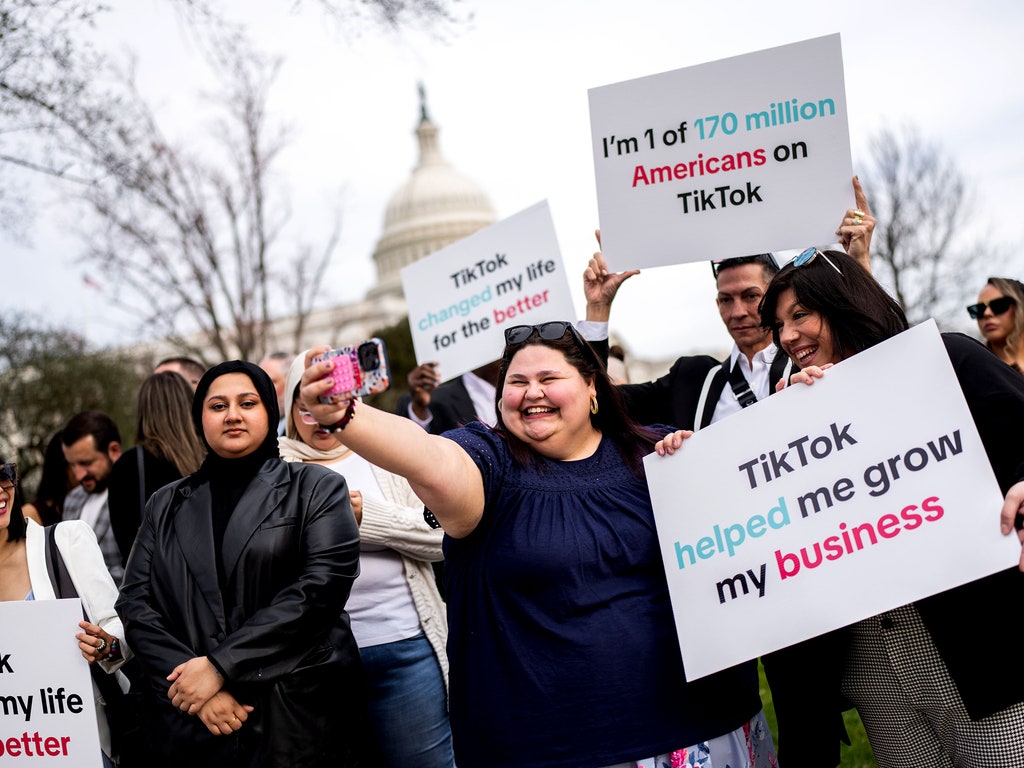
(593, 404)
(499, 403)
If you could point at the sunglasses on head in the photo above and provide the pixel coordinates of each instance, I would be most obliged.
(806, 257)
(551, 331)
(8, 476)
(737, 261)
(998, 306)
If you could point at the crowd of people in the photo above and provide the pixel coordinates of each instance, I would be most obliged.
(262, 567)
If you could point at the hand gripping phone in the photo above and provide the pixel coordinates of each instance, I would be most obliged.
(359, 370)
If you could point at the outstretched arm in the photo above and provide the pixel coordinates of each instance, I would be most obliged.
(440, 472)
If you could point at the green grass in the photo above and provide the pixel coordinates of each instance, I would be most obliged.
(857, 755)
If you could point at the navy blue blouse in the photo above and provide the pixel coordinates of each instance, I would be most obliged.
(562, 643)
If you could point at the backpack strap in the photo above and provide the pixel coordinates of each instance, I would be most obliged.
(56, 568)
(702, 400)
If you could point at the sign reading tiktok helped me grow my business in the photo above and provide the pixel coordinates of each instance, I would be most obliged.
(462, 298)
(729, 158)
(826, 504)
(47, 709)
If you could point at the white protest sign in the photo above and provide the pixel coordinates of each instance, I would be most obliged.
(733, 157)
(826, 504)
(462, 297)
(47, 709)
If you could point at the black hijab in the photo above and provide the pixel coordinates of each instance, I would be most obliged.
(228, 478)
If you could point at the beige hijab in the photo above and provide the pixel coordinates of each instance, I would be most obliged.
(291, 446)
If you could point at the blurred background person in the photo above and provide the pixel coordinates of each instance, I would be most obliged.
(55, 482)
(276, 365)
(1000, 316)
(398, 617)
(166, 449)
(91, 443)
(191, 370)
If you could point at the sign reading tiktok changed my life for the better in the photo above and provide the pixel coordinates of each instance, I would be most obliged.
(47, 708)
(729, 158)
(826, 504)
(463, 297)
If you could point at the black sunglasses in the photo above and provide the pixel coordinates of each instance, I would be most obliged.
(8, 474)
(737, 261)
(551, 331)
(998, 306)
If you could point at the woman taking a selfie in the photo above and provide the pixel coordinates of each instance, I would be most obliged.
(562, 644)
(234, 596)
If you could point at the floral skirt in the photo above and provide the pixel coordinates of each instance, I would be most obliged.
(749, 746)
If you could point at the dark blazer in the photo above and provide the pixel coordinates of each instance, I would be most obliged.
(805, 678)
(277, 630)
(450, 405)
(673, 398)
(987, 683)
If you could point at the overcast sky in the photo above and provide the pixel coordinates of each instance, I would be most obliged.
(509, 93)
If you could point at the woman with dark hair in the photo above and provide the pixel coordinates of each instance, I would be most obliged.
(926, 679)
(1000, 316)
(166, 449)
(24, 575)
(55, 482)
(234, 596)
(562, 644)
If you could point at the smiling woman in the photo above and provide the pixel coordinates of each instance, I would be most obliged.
(928, 692)
(561, 639)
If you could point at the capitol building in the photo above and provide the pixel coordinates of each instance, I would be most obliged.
(435, 207)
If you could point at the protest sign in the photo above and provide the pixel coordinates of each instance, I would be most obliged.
(733, 157)
(47, 709)
(462, 297)
(826, 504)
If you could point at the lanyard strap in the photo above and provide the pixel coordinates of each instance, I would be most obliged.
(740, 387)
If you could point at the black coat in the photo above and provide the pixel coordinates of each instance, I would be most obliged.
(277, 630)
(123, 496)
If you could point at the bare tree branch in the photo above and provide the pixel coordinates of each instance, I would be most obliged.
(921, 250)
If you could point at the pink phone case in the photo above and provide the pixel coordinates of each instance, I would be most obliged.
(359, 371)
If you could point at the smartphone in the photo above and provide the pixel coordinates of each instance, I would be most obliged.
(359, 370)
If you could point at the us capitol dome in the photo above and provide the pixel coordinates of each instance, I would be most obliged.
(435, 207)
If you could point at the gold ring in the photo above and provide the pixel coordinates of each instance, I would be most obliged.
(859, 213)
(857, 221)
(233, 718)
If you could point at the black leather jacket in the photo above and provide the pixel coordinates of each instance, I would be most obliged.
(277, 631)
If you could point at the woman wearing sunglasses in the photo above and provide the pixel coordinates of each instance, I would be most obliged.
(562, 642)
(24, 575)
(396, 611)
(1000, 316)
(928, 679)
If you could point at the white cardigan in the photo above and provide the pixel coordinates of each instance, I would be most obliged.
(84, 560)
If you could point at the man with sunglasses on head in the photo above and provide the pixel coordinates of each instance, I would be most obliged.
(699, 390)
